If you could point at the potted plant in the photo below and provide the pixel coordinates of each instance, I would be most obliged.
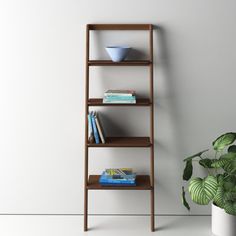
(218, 186)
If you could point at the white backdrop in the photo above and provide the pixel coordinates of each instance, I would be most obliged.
(42, 61)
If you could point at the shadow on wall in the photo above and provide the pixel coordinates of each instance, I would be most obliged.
(167, 100)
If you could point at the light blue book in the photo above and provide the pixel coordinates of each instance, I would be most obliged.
(90, 131)
(105, 100)
(95, 131)
(120, 97)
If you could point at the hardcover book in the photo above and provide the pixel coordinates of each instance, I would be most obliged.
(90, 131)
(113, 92)
(95, 131)
(99, 127)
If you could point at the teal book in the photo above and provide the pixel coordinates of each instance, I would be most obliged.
(120, 97)
(95, 131)
(119, 92)
(133, 101)
(90, 131)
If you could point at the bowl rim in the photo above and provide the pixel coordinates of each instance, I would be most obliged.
(118, 47)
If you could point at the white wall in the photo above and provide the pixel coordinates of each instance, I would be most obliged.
(42, 46)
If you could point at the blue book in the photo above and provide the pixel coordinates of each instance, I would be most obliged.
(90, 131)
(120, 97)
(117, 184)
(95, 131)
(116, 181)
(107, 100)
(105, 180)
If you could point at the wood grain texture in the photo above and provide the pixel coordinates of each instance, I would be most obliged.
(121, 63)
(123, 142)
(99, 102)
(119, 26)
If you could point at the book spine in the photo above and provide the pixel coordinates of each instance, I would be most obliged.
(99, 129)
(119, 101)
(120, 97)
(118, 184)
(95, 131)
(119, 94)
(90, 138)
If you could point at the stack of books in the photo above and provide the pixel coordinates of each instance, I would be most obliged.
(119, 96)
(118, 177)
(96, 133)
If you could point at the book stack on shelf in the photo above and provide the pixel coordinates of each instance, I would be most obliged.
(119, 96)
(118, 177)
(96, 133)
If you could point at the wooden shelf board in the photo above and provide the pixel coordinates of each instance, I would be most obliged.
(142, 183)
(123, 142)
(99, 102)
(122, 63)
(119, 26)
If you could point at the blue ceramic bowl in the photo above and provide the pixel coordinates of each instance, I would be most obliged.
(117, 53)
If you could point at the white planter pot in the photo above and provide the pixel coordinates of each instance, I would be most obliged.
(223, 224)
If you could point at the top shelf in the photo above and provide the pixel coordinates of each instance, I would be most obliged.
(121, 63)
(119, 26)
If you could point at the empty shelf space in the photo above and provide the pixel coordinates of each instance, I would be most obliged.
(123, 142)
(142, 183)
(99, 102)
(122, 63)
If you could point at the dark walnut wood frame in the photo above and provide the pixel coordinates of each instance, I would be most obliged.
(144, 182)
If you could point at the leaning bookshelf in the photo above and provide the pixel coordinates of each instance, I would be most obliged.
(143, 182)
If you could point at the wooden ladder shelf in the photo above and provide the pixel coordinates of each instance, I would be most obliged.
(143, 182)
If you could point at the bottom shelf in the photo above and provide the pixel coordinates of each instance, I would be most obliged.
(142, 183)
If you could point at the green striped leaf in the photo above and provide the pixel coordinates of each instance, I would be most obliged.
(223, 160)
(224, 140)
(230, 167)
(230, 207)
(219, 163)
(219, 197)
(202, 191)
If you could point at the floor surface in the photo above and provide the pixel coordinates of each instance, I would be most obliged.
(59, 225)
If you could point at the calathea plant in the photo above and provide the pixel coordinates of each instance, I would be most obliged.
(219, 185)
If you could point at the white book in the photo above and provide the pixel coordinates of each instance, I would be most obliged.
(100, 131)
(120, 101)
(117, 92)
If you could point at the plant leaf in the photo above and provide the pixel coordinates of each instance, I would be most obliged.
(229, 185)
(224, 140)
(223, 160)
(202, 191)
(184, 201)
(229, 155)
(232, 148)
(206, 163)
(188, 170)
(219, 163)
(230, 207)
(195, 155)
(230, 167)
(220, 179)
(219, 197)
